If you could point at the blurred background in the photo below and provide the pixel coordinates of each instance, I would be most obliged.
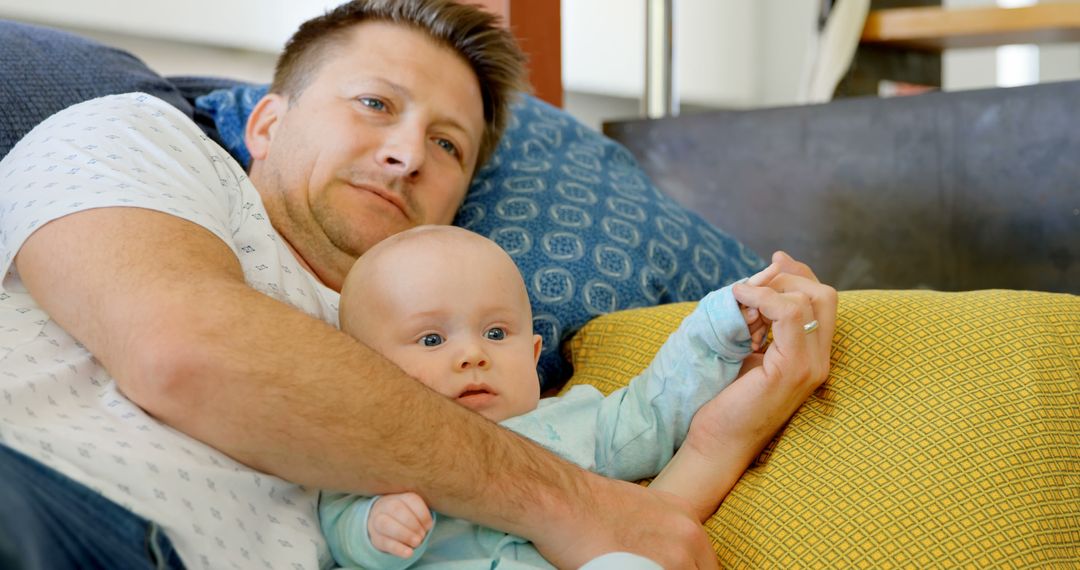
(727, 54)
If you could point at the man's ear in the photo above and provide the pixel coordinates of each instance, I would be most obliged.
(538, 344)
(262, 124)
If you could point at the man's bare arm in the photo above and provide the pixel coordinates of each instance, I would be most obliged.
(163, 304)
(703, 478)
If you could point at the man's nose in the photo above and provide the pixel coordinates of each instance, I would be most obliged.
(403, 152)
(472, 357)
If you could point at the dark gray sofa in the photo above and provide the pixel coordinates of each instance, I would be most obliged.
(948, 191)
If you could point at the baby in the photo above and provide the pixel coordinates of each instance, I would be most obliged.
(451, 309)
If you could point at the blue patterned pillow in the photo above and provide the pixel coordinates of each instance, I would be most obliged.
(588, 230)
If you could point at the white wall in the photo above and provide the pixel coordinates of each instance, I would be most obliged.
(261, 25)
(786, 33)
(716, 49)
(729, 53)
(977, 68)
(240, 41)
(1059, 62)
(743, 53)
(972, 68)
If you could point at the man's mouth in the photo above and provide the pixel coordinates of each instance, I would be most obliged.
(392, 197)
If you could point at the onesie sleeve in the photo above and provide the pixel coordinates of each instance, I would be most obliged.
(344, 521)
(640, 427)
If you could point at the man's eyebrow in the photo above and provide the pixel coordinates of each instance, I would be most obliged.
(404, 93)
(398, 89)
(457, 125)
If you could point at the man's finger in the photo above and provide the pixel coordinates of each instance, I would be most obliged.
(771, 304)
(789, 313)
(823, 298)
(764, 276)
(788, 264)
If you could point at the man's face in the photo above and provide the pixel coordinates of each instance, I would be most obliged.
(383, 138)
(455, 315)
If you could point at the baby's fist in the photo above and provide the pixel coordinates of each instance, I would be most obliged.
(398, 523)
(758, 325)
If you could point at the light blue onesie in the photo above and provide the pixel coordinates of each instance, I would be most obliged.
(630, 434)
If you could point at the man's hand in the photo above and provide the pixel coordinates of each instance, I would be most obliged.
(398, 523)
(625, 517)
(729, 431)
(773, 386)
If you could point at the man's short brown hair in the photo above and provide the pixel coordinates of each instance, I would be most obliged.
(476, 35)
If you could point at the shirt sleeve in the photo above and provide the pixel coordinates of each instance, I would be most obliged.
(344, 521)
(130, 150)
(641, 426)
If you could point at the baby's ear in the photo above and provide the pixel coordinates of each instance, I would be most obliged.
(538, 345)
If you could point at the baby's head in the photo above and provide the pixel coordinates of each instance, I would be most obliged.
(450, 308)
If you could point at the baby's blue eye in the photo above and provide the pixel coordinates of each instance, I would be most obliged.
(495, 333)
(432, 339)
(372, 103)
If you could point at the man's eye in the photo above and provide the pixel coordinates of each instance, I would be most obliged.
(447, 146)
(432, 339)
(495, 333)
(373, 103)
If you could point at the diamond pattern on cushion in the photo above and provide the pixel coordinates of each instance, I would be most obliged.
(947, 435)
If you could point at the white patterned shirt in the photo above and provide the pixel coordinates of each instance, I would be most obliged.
(58, 404)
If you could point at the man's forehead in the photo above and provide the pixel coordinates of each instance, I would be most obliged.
(413, 65)
(401, 51)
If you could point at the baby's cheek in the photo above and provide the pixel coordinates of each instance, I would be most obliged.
(427, 377)
(530, 401)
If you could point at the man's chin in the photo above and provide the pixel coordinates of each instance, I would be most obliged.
(353, 238)
(373, 235)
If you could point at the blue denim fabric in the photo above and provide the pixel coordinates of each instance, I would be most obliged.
(48, 521)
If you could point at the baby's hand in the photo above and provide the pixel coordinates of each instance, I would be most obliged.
(398, 523)
(758, 325)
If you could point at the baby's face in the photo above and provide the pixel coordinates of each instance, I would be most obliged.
(452, 312)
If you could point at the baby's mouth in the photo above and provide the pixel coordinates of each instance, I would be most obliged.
(476, 397)
(468, 393)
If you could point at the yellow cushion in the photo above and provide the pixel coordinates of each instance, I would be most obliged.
(947, 435)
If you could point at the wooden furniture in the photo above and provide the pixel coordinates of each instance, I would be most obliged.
(937, 28)
(537, 26)
(904, 43)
